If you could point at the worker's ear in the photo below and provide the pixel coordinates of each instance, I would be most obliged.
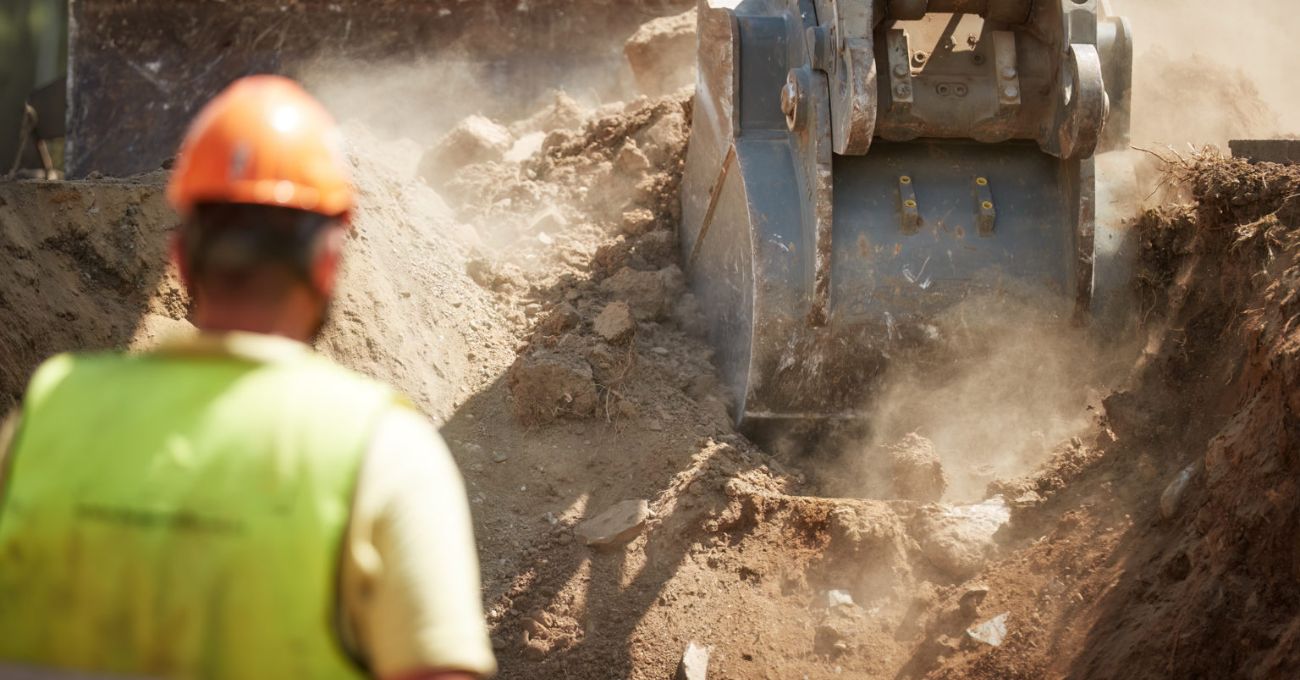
(329, 253)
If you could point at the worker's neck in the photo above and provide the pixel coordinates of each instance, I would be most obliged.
(290, 321)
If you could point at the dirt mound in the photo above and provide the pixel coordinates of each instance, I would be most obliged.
(86, 269)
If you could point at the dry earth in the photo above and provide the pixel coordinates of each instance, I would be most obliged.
(520, 282)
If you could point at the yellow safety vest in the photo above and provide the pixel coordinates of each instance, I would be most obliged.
(179, 516)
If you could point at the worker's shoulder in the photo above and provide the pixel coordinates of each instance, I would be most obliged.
(335, 378)
(57, 368)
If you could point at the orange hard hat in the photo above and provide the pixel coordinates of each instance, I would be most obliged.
(263, 141)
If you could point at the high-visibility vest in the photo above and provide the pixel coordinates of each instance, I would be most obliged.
(169, 516)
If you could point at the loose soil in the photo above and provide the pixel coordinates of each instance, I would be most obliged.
(494, 296)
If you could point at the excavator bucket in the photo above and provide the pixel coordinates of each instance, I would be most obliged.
(856, 167)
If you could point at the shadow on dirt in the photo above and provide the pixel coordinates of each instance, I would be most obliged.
(82, 266)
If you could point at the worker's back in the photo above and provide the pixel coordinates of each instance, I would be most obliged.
(172, 515)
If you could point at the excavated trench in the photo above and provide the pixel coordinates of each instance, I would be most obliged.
(1093, 514)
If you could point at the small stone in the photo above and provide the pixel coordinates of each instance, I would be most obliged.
(958, 540)
(1172, 497)
(991, 632)
(916, 473)
(475, 139)
(650, 295)
(971, 599)
(661, 53)
(615, 324)
(499, 457)
(615, 526)
(695, 662)
(661, 351)
(631, 160)
(561, 319)
(835, 598)
(546, 386)
(637, 222)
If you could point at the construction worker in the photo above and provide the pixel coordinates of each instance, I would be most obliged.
(234, 505)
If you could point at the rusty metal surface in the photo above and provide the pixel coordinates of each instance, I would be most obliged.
(817, 270)
(1266, 150)
(140, 68)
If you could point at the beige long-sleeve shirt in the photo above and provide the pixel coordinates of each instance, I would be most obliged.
(410, 591)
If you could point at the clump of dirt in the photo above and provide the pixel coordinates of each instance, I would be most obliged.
(914, 469)
(662, 54)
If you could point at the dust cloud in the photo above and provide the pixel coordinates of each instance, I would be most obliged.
(422, 100)
(1016, 381)
(1206, 71)
(1007, 383)
(411, 120)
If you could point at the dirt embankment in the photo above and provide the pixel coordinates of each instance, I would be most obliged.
(87, 269)
(1163, 545)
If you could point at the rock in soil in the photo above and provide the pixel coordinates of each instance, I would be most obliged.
(561, 319)
(835, 598)
(475, 139)
(631, 160)
(958, 540)
(971, 599)
(650, 295)
(615, 324)
(546, 386)
(916, 473)
(695, 663)
(662, 53)
(615, 526)
(991, 632)
(1172, 497)
(637, 222)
